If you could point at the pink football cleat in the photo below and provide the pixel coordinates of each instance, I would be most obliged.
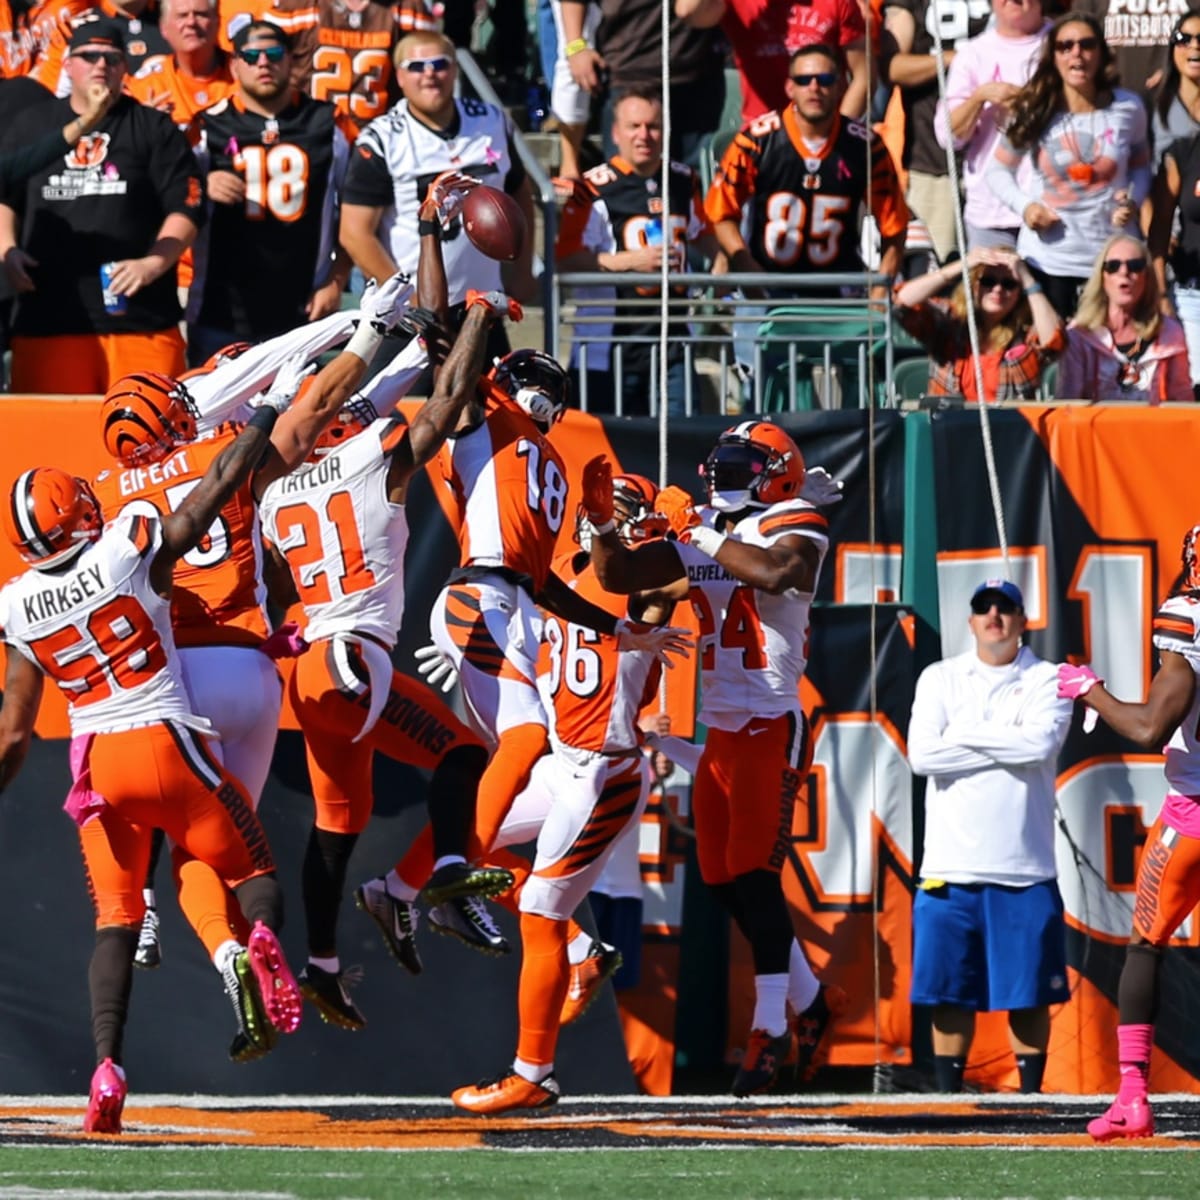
(1124, 1119)
(281, 999)
(107, 1099)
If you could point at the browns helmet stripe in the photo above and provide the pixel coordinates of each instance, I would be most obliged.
(24, 516)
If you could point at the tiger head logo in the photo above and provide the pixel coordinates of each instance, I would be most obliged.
(89, 151)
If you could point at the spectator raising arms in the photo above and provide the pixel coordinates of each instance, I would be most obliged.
(1018, 327)
(1120, 346)
(1091, 159)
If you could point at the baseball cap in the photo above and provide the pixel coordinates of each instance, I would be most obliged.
(1002, 587)
(97, 31)
(265, 29)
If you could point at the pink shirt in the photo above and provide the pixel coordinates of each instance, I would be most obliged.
(1182, 813)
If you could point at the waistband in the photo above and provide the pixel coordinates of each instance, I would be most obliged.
(478, 572)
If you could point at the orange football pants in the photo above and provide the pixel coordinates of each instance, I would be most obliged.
(414, 727)
(84, 364)
(744, 795)
(164, 776)
(1168, 883)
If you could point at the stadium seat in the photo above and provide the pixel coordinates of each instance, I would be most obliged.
(910, 378)
(727, 128)
(1049, 384)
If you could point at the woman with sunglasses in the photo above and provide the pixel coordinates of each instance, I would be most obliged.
(1019, 331)
(1090, 154)
(1175, 112)
(1120, 346)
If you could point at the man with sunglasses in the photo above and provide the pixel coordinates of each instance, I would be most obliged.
(275, 162)
(988, 931)
(802, 176)
(127, 199)
(399, 155)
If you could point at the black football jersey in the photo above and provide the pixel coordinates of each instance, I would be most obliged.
(258, 262)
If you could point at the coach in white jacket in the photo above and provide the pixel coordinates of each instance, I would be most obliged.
(988, 930)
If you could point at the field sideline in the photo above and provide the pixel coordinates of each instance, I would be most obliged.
(936, 1148)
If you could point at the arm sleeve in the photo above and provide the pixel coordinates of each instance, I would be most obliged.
(887, 197)
(173, 168)
(928, 752)
(1038, 738)
(395, 381)
(1001, 177)
(16, 167)
(734, 182)
(960, 84)
(1140, 177)
(368, 180)
(1071, 369)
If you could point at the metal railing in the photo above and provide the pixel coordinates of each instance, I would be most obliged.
(795, 349)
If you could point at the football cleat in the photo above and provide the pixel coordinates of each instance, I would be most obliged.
(148, 954)
(277, 989)
(1124, 1119)
(243, 1050)
(326, 990)
(468, 919)
(242, 991)
(506, 1093)
(397, 921)
(461, 879)
(761, 1062)
(812, 1029)
(587, 978)
(106, 1101)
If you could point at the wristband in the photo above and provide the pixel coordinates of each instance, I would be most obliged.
(366, 340)
(574, 46)
(1033, 289)
(264, 419)
(707, 540)
(428, 228)
(601, 530)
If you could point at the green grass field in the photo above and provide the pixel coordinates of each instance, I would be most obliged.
(133, 1173)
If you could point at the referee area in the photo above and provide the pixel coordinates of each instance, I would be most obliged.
(896, 1146)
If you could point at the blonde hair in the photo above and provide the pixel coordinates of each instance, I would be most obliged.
(406, 46)
(1092, 310)
(1010, 328)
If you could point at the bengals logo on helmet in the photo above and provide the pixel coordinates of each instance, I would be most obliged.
(90, 151)
(145, 416)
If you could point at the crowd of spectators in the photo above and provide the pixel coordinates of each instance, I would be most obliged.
(259, 151)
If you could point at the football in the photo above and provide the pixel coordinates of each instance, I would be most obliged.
(494, 222)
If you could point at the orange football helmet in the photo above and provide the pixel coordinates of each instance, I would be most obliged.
(51, 516)
(222, 356)
(353, 417)
(753, 465)
(145, 416)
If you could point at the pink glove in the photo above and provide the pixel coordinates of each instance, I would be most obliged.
(1075, 681)
(285, 642)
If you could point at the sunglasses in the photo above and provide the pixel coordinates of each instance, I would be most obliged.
(108, 57)
(1007, 282)
(1086, 44)
(823, 79)
(1186, 39)
(418, 66)
(982, 605)
(1135, 266)
(273, 54)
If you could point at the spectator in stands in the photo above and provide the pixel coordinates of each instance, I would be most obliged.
(138, 22)
(575, 78)
(276, 161)
(801, 177)
(428, 131)
(1088, 143)
(988, 929)
(628, 54)
(1120, 346)
(27, 31)
(1019, 331)
(1175, 113)
(616, 224)
(1165, 891)
(765, 33)
(195, 73)
(985, 75)
(129, 201)
(910, 65)
(1137, 36)
(1175, 239)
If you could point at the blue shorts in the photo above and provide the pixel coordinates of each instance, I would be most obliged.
(989, 947)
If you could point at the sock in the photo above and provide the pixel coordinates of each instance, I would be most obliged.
(110, 980)
(534, 1072)
(521, 870)
(261, 899)
(453, 788)
(578, 945)
(542, 987)
(770, 1013)
(1133, 1054)
(506, 777)
(148, 897)
(332, 965)
(1032, 1070)
(224, 952)
(948, 1072)
(323, 880)
(204, 900)
(447, 859)
(803, 985)
(395, 886)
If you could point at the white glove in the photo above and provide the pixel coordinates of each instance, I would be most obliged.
(382, 303)
(706, 539)
(820, 488)
(435, 668)
(665, 642)
(287, 381)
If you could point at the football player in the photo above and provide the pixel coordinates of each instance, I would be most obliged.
(751, 577)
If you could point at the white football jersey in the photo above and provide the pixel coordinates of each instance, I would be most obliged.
(397, 157)
(343, 539)
(1177, 628)
(101, 632)
(753, 646)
